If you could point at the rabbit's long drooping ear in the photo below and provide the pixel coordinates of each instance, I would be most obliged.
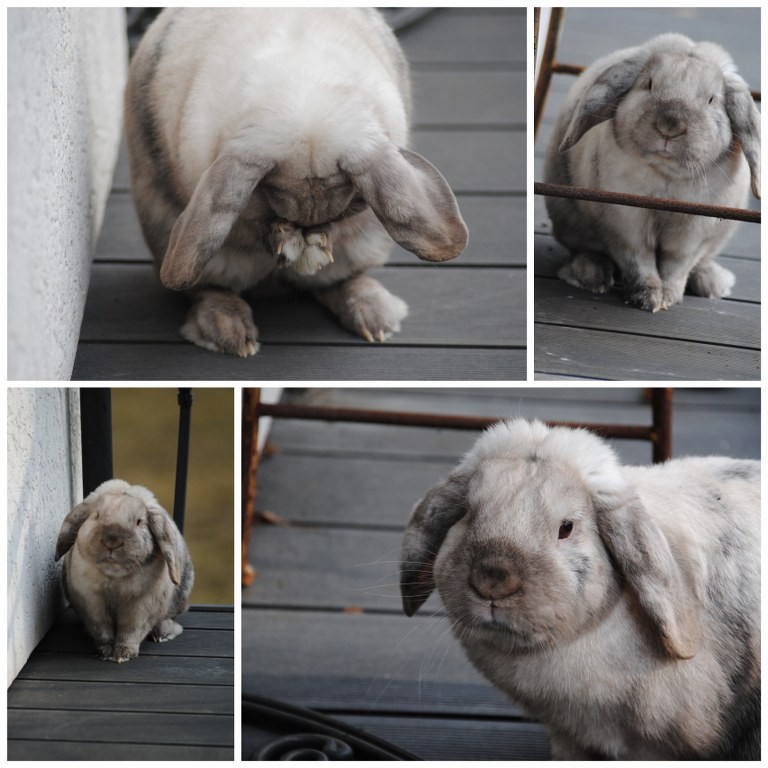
(599, 102)
(70, 528)
(745, 122)
(219, 198)
(433, 517)
(667, 590)
(166, 535)
(413, 201)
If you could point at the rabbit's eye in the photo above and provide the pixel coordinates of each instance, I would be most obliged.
(711, 99)
(138, 521)
(566, 527)
(650, 84)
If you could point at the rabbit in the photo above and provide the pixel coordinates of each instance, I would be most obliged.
(618, 605)
(273, 141)
(126, 570)
(671, 119)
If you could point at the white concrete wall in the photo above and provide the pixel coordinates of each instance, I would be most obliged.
(44, 483)
(66, 74)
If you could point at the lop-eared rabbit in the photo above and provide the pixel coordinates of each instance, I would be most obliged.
(126, 570)
(670, 119)
(619, 605)
(274, 140)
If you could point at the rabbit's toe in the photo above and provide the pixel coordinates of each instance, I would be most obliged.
(221, 321)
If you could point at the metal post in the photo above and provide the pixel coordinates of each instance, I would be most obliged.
(547, 63)
(96, 431)
(182, 457)
(249, 466)
(661, 403)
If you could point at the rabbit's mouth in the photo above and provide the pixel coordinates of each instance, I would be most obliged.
(112, 567)
(499, 630)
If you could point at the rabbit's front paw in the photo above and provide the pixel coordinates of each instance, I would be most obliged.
(365, 307)
(105, 651)
(647, 294)
(286, 242)
(304, 252)
(221, 321)
(316, 254)
(672, 293)
(124, 652)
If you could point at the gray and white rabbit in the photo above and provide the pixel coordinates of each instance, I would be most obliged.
(275, 139)
(618, 605)
(671, 119)
(126, 569)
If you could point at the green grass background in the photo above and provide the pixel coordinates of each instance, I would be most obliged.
(145, 424)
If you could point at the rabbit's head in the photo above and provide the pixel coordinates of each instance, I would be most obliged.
(313, 182)
(531, 540)
(678, 105)
(121, 529)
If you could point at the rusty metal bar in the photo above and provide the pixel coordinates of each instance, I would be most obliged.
(639, 201)
(547, 62)
(439, 421)
(249, 463)
(661, 407)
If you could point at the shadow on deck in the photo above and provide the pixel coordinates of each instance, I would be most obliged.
(578, 335)
(174, 702)
(467, 318)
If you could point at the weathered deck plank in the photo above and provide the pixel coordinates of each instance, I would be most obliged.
(128, 301)
(174, 702)
(698, 340)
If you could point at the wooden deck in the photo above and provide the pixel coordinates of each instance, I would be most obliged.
(578, 335)
(175, 702)
(322, 624)
(467, 318)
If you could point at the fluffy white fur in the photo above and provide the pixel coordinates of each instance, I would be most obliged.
(619, 605)
(670, 119)
(272, 141)
(126, 568)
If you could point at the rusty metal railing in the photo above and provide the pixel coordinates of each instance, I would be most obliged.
(658, 433)
(640, 201)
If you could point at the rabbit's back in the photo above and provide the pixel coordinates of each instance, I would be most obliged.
(202, 77)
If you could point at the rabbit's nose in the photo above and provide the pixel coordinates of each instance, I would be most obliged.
(493, 581)
(111, 539)
(671, 124)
